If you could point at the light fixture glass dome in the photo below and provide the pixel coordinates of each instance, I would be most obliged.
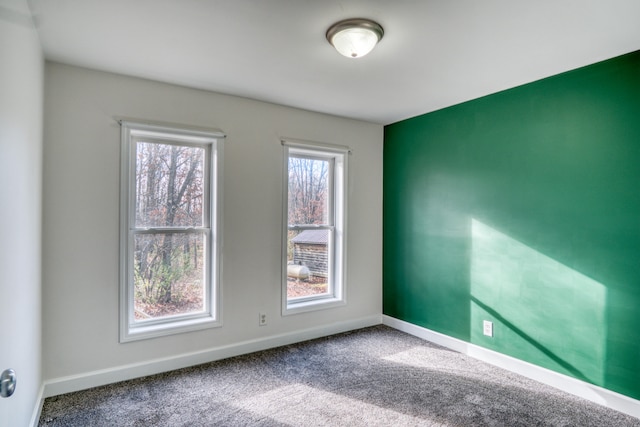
(354, 38)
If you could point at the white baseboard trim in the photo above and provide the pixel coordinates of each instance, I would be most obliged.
(591, 392)
(57, 386)
(37, 410)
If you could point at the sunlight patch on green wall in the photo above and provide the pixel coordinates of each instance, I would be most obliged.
(540, 308)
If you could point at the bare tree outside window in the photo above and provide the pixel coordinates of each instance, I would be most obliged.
(169, 195)
(308, 190)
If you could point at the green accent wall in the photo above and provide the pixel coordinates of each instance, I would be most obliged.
(523, 208)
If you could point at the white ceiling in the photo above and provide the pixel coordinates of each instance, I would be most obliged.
(435, 53)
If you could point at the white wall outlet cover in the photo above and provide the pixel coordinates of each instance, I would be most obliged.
(487, 328)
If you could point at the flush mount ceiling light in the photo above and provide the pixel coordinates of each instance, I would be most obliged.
(354, 38)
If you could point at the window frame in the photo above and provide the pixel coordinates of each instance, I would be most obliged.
(133, 132)
(336, 224)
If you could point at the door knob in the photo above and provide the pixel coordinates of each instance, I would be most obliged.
(7, 383)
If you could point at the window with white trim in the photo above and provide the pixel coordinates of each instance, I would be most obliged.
(314, 231)
(169, 230)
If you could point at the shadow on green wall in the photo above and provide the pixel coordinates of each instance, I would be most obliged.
(425, 237)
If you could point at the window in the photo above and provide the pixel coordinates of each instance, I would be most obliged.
(314, 240)
(169, 230)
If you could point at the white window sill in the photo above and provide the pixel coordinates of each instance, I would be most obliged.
(142, 332)
(312, 305)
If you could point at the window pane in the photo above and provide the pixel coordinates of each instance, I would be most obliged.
(169, 187)
(313, 249)
(307, 263)
(169, 274)
(308, 191)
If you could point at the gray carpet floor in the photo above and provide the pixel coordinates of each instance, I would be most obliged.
(371, 377)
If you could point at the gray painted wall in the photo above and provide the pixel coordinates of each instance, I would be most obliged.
(81, 193)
